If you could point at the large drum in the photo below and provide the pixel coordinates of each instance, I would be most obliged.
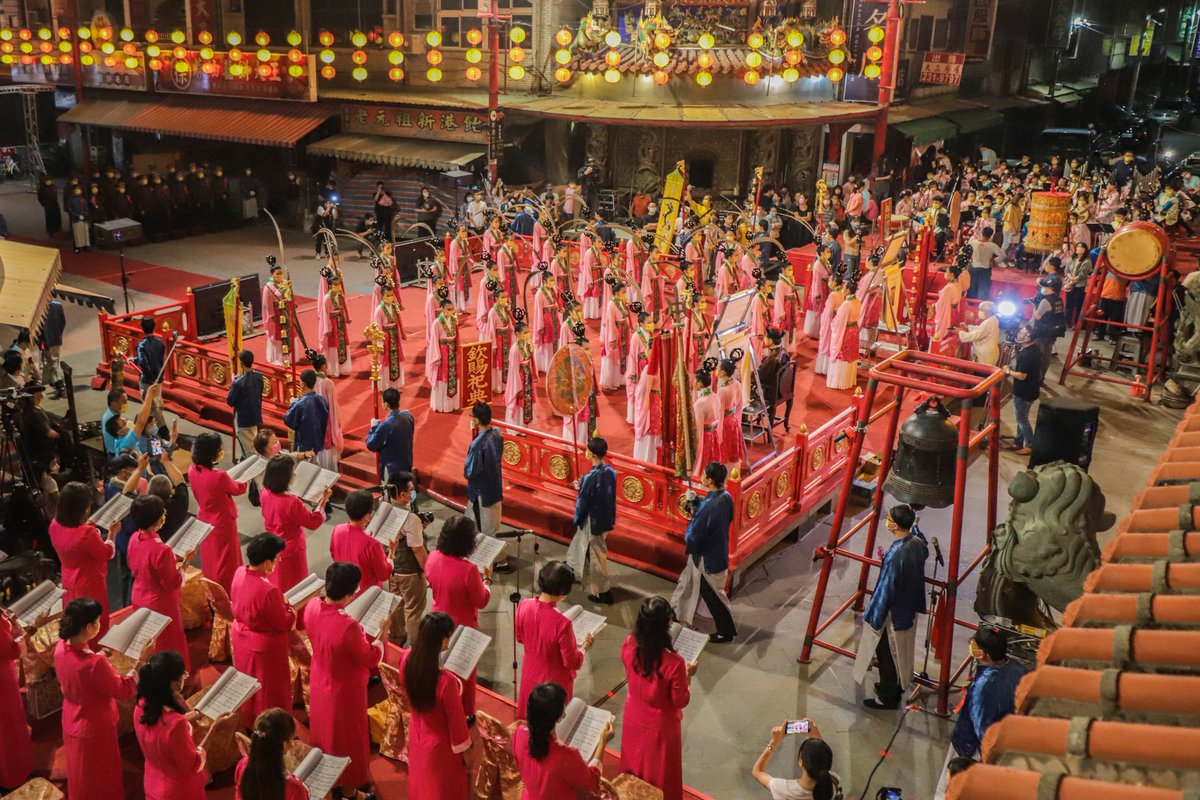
(1049, 215)
(1136, 249)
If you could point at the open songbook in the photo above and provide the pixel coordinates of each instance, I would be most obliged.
(248, 469)
(113, 511)
(487, 550)
(189, 536)
(687, 642)
(228, 694)
(131, 635)
(371, 608)
(311, 480)
(465, 650)
(43, 599)
(320, 771)
(582, 726)
(306, 589)
(386, 524)
(584, 622)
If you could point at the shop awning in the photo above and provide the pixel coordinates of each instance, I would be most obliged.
(975, 120)
(270, 124)
(397, 152)
(27, 276)
(927, 131)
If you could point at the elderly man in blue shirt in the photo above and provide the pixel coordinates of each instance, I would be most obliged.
(706, 545)
(308, 416)
(595, 515)
(889, 624)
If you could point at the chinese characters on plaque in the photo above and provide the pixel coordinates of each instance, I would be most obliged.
(416, 123)
(475, 373)
(943, 68)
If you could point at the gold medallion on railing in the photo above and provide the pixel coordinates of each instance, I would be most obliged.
(755, 505)
(266, 390)
(559, 467)
(632, 489)
(216, 374)
(841, 445)
(782, 482)
(818, 457)
(187, 365)
(122, 345)
(512, 454)
(681, 505)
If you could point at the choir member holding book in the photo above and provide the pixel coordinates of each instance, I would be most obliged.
(174, 767)
(551, 653)
(83, 549)
(262, 620)
(16, 756)
(157, 573)
(351, 542)
(286, 515)
(261, 774)
(549, 768)
(221, 551)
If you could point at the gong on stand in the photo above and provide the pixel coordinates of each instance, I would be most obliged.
(570, 381)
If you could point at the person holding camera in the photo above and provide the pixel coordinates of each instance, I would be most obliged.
(816, 781)
(1026, 371)
(408, 562)
(1049, 319)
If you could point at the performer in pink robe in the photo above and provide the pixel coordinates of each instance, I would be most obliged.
(871, 287)
(90, 688)
(287, 516)
(506, 265)
(614, 339)
(493, 237)
(574, 317)
(647, 412)
(350, 542)
(653, 287)
(83, 551)
(637, 357)
(438, 738)
(733, 446)
(588, 286)
(693, 257)
(262, 622)
(547, 316)
(174, 765)
(385, 273)
(843, 343)
(521, 385)
(500, 331)
(708, 413)
(699, 330)
(458, 268)
(458, 588)
(729, 282)
(541, 235)
(788, 306)
(560, 263)
(635, 256)
(335, 438)
(441, 361)
(387, 317)
(16, 756)
(333, 320)
(485, 297)
(221, 550)
(157, 573)
(814, 306)
(760, 314)
(551, 653)
(342, 660)
(274, 306)
(946, 307)
(747, 265)
(433, 302)
(651, 725)
(727, 250)
(835, 298)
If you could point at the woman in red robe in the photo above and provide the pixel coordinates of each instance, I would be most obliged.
(174, 768)
(157, 573)
(551, 653)
(342, 660)
(437, 736)
(221, 550)
(733, 446)
(458, 588)
(551, 770)
(286, 516)
(262, 620)
(16, 756)
(659, 690)
(91, 689)
(83, 549)
(262, 775)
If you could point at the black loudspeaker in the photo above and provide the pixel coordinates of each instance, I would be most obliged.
(1065, 431)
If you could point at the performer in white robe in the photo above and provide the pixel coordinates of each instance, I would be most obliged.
(441, 354)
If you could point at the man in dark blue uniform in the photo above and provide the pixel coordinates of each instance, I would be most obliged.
(595, 515)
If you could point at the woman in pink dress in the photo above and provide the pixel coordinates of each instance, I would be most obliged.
(659, 690)
(733, 446)
(438, 736)
(707, 407)
(286, 516)
(549, 638)
(221, 550)
(835, 298)
(157, 573)
(262, 621)
(458, 587)
(91, 689)
(815, 297)
(16, 756)
(342, 660)
(552, 770)
(83, 549)
(262, 775)
(351, 542)
(174, 768)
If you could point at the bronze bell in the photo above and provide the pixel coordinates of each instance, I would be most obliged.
(923, 469)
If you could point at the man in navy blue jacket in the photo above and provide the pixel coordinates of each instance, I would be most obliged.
(706, 544)
(150, 357)
(392, 438)
(245, 398)
(308, 416)
(483, 471)
(595, 515)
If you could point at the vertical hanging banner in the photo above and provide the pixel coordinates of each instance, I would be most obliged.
(474, 373)
(981, 20)
(672, 202)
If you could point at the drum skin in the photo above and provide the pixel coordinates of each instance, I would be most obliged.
(1136, 249)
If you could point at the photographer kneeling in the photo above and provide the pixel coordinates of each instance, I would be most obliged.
(816, 782)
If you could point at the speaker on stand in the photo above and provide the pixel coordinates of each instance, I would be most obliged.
(1065, 431)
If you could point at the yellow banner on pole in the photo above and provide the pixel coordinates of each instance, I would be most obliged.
(668, 212)
(231, 305)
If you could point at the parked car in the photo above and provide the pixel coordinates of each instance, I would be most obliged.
(1173, 110)
(1067, 143)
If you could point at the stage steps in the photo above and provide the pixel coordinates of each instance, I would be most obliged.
(356, 193)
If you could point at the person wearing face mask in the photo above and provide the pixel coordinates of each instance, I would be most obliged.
(220, 552)
(815, 759)
(157, 572)
(181, 203)
(174, 766)
(219, 185)
(262, 621)
(97, 205)
(79, 212)
(251, 187)
(1124, 170)
(48, 198)
(1026, 371)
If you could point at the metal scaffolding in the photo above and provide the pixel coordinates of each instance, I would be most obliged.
(34, 166)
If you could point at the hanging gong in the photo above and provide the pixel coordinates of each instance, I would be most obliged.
(569, 380)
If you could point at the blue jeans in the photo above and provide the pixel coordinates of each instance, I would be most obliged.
(1024, 437)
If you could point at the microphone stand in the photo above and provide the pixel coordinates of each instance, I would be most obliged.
(515, 598)
(934, 596)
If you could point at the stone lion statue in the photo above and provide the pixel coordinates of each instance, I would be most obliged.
(1047, 546)
(1187, 327)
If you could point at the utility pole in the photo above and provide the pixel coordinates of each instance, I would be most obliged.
(887, 78)
(493, 157)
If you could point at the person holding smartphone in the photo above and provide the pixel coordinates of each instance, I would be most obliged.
(816, 780)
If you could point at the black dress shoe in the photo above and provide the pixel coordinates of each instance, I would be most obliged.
(717, 638)
(503, 567)
(879, 705)
(604, 598)
(470, 720)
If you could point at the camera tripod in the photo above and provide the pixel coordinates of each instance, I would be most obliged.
(20, 489)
